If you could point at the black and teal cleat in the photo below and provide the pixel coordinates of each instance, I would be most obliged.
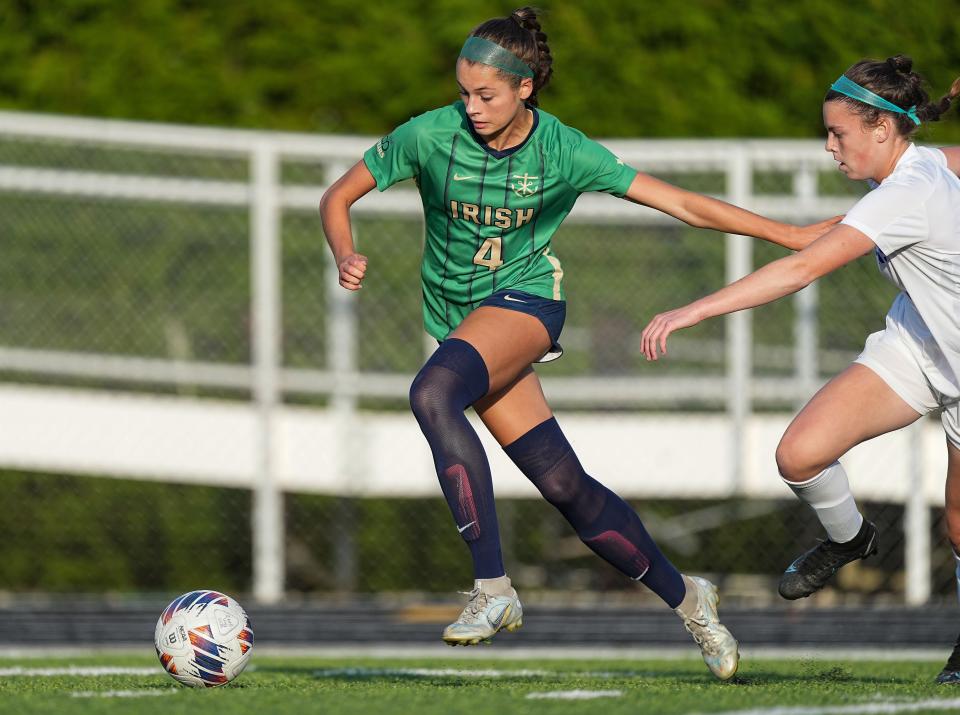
(811, 570)
(950, 675)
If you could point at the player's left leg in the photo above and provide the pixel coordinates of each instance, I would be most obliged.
(951, 671)
(853, 407)
(521, 421)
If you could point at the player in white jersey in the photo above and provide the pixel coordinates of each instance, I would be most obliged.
(911, 221)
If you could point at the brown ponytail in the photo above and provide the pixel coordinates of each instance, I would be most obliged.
(520, 32)
(937, 110)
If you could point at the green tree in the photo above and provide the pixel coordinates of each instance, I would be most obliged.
(705, 68)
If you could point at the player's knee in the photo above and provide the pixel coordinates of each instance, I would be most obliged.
(558, 488)
(453, 378)
(786, 460)
(427, 397)
(795, 460)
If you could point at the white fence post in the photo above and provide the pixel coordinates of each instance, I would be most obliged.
(806, 324)
(739, 334)
(341, 327)
(268, 526)
(916, 525)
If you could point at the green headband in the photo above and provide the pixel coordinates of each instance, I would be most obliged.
(477, 49)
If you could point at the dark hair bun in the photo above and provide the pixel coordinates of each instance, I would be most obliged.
(527, 18)
(520, 32)
(901, 63)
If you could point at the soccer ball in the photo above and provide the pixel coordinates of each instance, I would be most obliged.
(204, 639)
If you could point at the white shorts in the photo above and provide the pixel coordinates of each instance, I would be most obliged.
(887, 354)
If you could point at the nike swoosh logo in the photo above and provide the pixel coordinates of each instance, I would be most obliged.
(462, 529)
(513, 300)
(457, 177)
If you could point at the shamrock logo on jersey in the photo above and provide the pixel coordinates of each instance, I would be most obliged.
(526, 186)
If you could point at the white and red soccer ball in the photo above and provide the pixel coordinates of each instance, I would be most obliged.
(204, 639)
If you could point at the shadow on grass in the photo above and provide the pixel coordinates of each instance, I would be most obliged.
(833, 675)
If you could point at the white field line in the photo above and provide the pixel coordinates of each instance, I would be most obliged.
(575, 695)
(859, 709)
(83, 671)
(361, 672)
(428, 673)
(121, 693)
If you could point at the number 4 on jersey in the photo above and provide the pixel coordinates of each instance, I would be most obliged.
(489, 253)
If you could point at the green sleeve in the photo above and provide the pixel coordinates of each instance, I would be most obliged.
(592, 167)
(395, 157)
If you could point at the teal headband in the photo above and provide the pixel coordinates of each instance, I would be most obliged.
(477, 49)
(849, 88)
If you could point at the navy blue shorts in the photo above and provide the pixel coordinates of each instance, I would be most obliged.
(551, 313)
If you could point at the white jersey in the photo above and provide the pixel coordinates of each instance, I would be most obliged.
(913, 216)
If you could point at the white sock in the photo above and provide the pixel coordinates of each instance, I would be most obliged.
(688, 606)
(494, 586)
(829, 495)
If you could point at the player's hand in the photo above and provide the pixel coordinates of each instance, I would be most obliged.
(653, 340)
(805, 235)
(352, 270)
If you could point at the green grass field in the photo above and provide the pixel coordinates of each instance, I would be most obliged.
(135, 684)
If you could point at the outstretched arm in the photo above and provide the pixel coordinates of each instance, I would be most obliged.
(953, 158)
(774, 280)
(706, 212)
(335, 217)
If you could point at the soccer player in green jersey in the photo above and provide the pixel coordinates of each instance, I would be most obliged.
(497, 176)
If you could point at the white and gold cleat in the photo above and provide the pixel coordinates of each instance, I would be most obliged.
(720, 650)
(484, 616)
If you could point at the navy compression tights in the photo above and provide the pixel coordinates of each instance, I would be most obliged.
(454, 378)
(602, 520)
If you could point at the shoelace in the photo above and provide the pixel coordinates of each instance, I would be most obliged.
(476, 604)
(705, 637)
(824, 560)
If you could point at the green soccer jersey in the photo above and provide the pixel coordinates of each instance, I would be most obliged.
(490, 214)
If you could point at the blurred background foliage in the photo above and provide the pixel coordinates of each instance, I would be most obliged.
(624, 68)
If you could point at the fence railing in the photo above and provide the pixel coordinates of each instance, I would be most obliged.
(274, 178)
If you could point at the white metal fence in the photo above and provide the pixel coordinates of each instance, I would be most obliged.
(320, 425)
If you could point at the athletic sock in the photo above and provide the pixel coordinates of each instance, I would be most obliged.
(454, 378)
(494, 586)
(602, 520)
(857, 542)
(829, 495)
(688, 607)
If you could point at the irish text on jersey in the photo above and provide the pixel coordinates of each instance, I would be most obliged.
(490, 215)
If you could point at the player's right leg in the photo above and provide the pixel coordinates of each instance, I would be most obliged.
(853, 407)
(522, 423)
(482, 356)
